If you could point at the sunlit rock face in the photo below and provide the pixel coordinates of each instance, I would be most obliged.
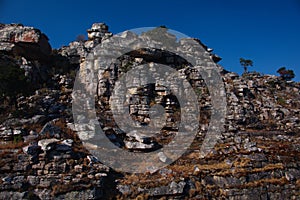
(98, 31)
(24, 41)
(77, 51)
(41, 157)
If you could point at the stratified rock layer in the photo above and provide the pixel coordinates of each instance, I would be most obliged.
(256, 157)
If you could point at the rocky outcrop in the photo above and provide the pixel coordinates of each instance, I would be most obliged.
(50, 166)
(262, 103)
(25, 49)
(256, 157)
(77, 51)
(24, 41)
(98, 31)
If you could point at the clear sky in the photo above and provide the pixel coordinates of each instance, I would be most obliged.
(265, 31)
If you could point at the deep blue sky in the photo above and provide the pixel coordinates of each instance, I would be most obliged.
(266, 31)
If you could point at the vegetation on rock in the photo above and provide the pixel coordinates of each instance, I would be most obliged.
(246, 63)
(286, 74)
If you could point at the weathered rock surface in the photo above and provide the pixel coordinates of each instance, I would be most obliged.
(77, 51)
(24, 41)
(50, 167)
(256, 157)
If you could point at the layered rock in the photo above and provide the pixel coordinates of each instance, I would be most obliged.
(24, 41)
(51, 167)
(77, 51)
(98, 31)
(25, 48)
(256, 157)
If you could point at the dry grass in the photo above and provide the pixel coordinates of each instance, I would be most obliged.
(269, 167)
(35, 127)
(298, 183)
(262, 182)
(193, 155)
(241, 171)
(106, 74)
(145, 180)
(178, 171)
(216, 166)
(61, 188)
(13, 145)
(242, 162)
(64, 188)
(197, 190)
(142, 197)
(190, 168)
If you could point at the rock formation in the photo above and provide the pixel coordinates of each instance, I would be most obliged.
(24, 41)
(256, 157)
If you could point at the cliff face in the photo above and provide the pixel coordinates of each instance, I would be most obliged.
(256, 157)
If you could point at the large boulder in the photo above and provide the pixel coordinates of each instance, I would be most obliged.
(24, 41)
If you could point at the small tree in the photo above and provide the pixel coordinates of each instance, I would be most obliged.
(286, 74)
(245, 63)
(13, 80)
(163, 26)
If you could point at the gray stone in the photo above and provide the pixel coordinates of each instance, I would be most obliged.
(172, 189)
(292, 174)
(12, 195)
(32, 149)
(23, 40)
(138, 145)
(44, 144)
(50, 128)
(33, 180)
(124, 189)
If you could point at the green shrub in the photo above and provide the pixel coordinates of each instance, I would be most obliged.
(286, 74)
(13, 82)
(281, 101)
(17, 139)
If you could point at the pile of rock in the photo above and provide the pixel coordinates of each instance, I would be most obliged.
(52, 164)
(262, 102)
